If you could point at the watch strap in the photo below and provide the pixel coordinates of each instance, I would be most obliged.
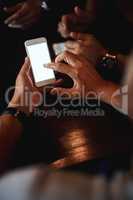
(19, 115)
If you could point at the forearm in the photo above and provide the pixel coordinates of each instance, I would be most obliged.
(10, 132)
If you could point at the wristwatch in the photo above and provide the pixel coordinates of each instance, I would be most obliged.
(19, 115)
(109, 61)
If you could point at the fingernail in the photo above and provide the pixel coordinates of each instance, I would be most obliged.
(46, 65)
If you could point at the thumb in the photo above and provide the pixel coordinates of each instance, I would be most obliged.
(26, 66)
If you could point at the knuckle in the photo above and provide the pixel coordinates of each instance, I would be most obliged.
(76, 72)
(65, 53)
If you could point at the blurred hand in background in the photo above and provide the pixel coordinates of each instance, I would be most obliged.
(87, 46)
(23, 15)
(78, 21)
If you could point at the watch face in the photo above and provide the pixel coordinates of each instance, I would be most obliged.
(109, 63)
(108, 68)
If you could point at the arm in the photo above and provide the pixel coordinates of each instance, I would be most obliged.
(10, 132)
(10, 124)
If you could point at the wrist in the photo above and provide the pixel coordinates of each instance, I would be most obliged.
(15, 101)
(18, 116)
(107, 93)
(18, 104)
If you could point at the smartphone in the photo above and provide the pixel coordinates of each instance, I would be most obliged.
(38, 53)
(59, 48)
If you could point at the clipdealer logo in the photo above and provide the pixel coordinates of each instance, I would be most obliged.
(122, 94)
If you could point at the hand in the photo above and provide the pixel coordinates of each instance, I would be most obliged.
(83, 74)
(23, 15)
(26, 96)
(77, 22)
(85, 45)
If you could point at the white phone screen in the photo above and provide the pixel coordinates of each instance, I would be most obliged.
(39, 56)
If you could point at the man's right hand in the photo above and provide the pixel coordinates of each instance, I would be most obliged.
(77, 21)
(26, 95)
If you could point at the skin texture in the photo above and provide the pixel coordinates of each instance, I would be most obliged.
(88, 46)
(77, 21)
(23, 15)
(25, 84)
(85, 77)
(85, 45)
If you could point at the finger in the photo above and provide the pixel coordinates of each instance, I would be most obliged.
(15, 26)
(70, 20)
(71, 44)
(30, 76)
(24, 19)
(65, 21)
(73, 51)
(57, 82)
(67, 57)
(14, 17)
(62, 68)
(28, 24)
(79, 12)
(80, 36)
(23, 25)
(28, 17)
(25, 67)
(13, 9)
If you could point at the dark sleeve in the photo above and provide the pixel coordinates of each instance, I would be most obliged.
(64, 6)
